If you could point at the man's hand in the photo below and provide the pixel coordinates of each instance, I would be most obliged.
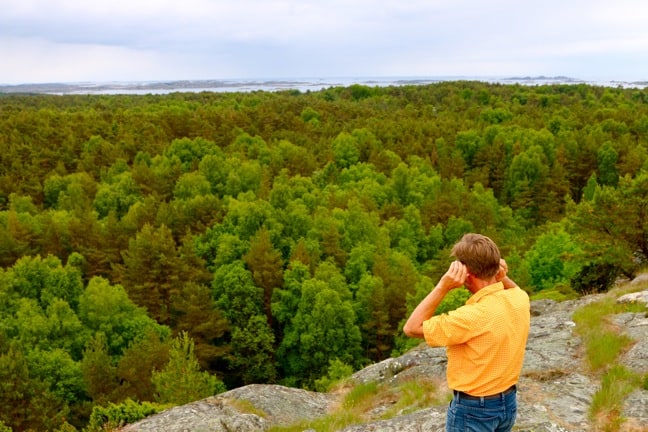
(502, 276)
(455, 276)
(503, 270)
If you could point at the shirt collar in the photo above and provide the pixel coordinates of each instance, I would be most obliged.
(490, 289)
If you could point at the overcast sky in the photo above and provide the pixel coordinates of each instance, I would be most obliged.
(150, 40)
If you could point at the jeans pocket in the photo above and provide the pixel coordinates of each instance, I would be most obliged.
(509, 421)
(475, 422)
(451, 420)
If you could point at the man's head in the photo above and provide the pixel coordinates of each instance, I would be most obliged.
(479, 253)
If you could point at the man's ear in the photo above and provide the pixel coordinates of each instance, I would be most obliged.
(501, 274)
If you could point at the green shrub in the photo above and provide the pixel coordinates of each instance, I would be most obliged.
(117, 415)
(337, 371)
(595, 278)
(559, 293)
(453, 300)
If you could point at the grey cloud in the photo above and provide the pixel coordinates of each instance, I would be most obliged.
(334, 37)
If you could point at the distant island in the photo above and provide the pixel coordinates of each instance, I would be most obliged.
(279, 84)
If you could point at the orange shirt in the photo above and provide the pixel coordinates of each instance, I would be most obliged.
(485, 339)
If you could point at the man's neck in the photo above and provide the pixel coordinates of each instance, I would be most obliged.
(476, 283)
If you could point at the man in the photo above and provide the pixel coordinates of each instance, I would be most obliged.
(485, 338)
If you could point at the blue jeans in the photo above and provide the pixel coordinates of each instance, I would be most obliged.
(492, 414)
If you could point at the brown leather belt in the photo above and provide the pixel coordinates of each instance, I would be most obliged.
(463, 395)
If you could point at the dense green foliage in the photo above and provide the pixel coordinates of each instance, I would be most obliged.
(283, 237)
(114, 415)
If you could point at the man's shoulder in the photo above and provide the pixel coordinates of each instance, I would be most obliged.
(517, 293)
(514, 297)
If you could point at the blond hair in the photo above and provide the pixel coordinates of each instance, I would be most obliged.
(479, 253)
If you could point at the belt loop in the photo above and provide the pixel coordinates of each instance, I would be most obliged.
(481, 401)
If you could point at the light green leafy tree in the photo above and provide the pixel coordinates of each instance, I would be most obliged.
(612, 227)
(236, 294)
(117, 195)
(407, 233)
(331, 274)
(105, 308)
(323, 329)
(285, 300)
(215, 168)
(191, 151)
(27, 403)
(357, 225)
(345, 150)
(191, 184)
(361, 260)
(553, 259)
(45, 280)
(246, 216)
(60, 372)
(57, 327)
(253, 148)
(526, 175)
(252, 351)
(244, 176)
(242, 303)
(73, 191)
(468, 143)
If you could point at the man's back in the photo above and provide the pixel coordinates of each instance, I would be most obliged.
(485, 340)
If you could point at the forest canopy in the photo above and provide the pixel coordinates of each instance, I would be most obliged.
(278, 237)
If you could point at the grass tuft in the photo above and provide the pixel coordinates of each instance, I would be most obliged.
(359, 404)
(414, 395)
(604, 344)
(603, 350)
(246, 407)
(616, 383)
(361, 395)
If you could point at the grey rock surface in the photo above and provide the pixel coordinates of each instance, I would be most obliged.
(555, 388)
(637, 297)
(209, 415)
(635, 325)
(640, 279)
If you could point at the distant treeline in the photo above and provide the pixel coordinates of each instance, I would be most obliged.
(162, 248)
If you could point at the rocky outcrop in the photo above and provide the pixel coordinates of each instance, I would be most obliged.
(251, 408)
(555, 389)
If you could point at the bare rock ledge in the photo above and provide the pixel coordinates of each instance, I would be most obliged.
(555, 390)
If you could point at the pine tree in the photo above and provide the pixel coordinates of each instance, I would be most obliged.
(182, 381)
